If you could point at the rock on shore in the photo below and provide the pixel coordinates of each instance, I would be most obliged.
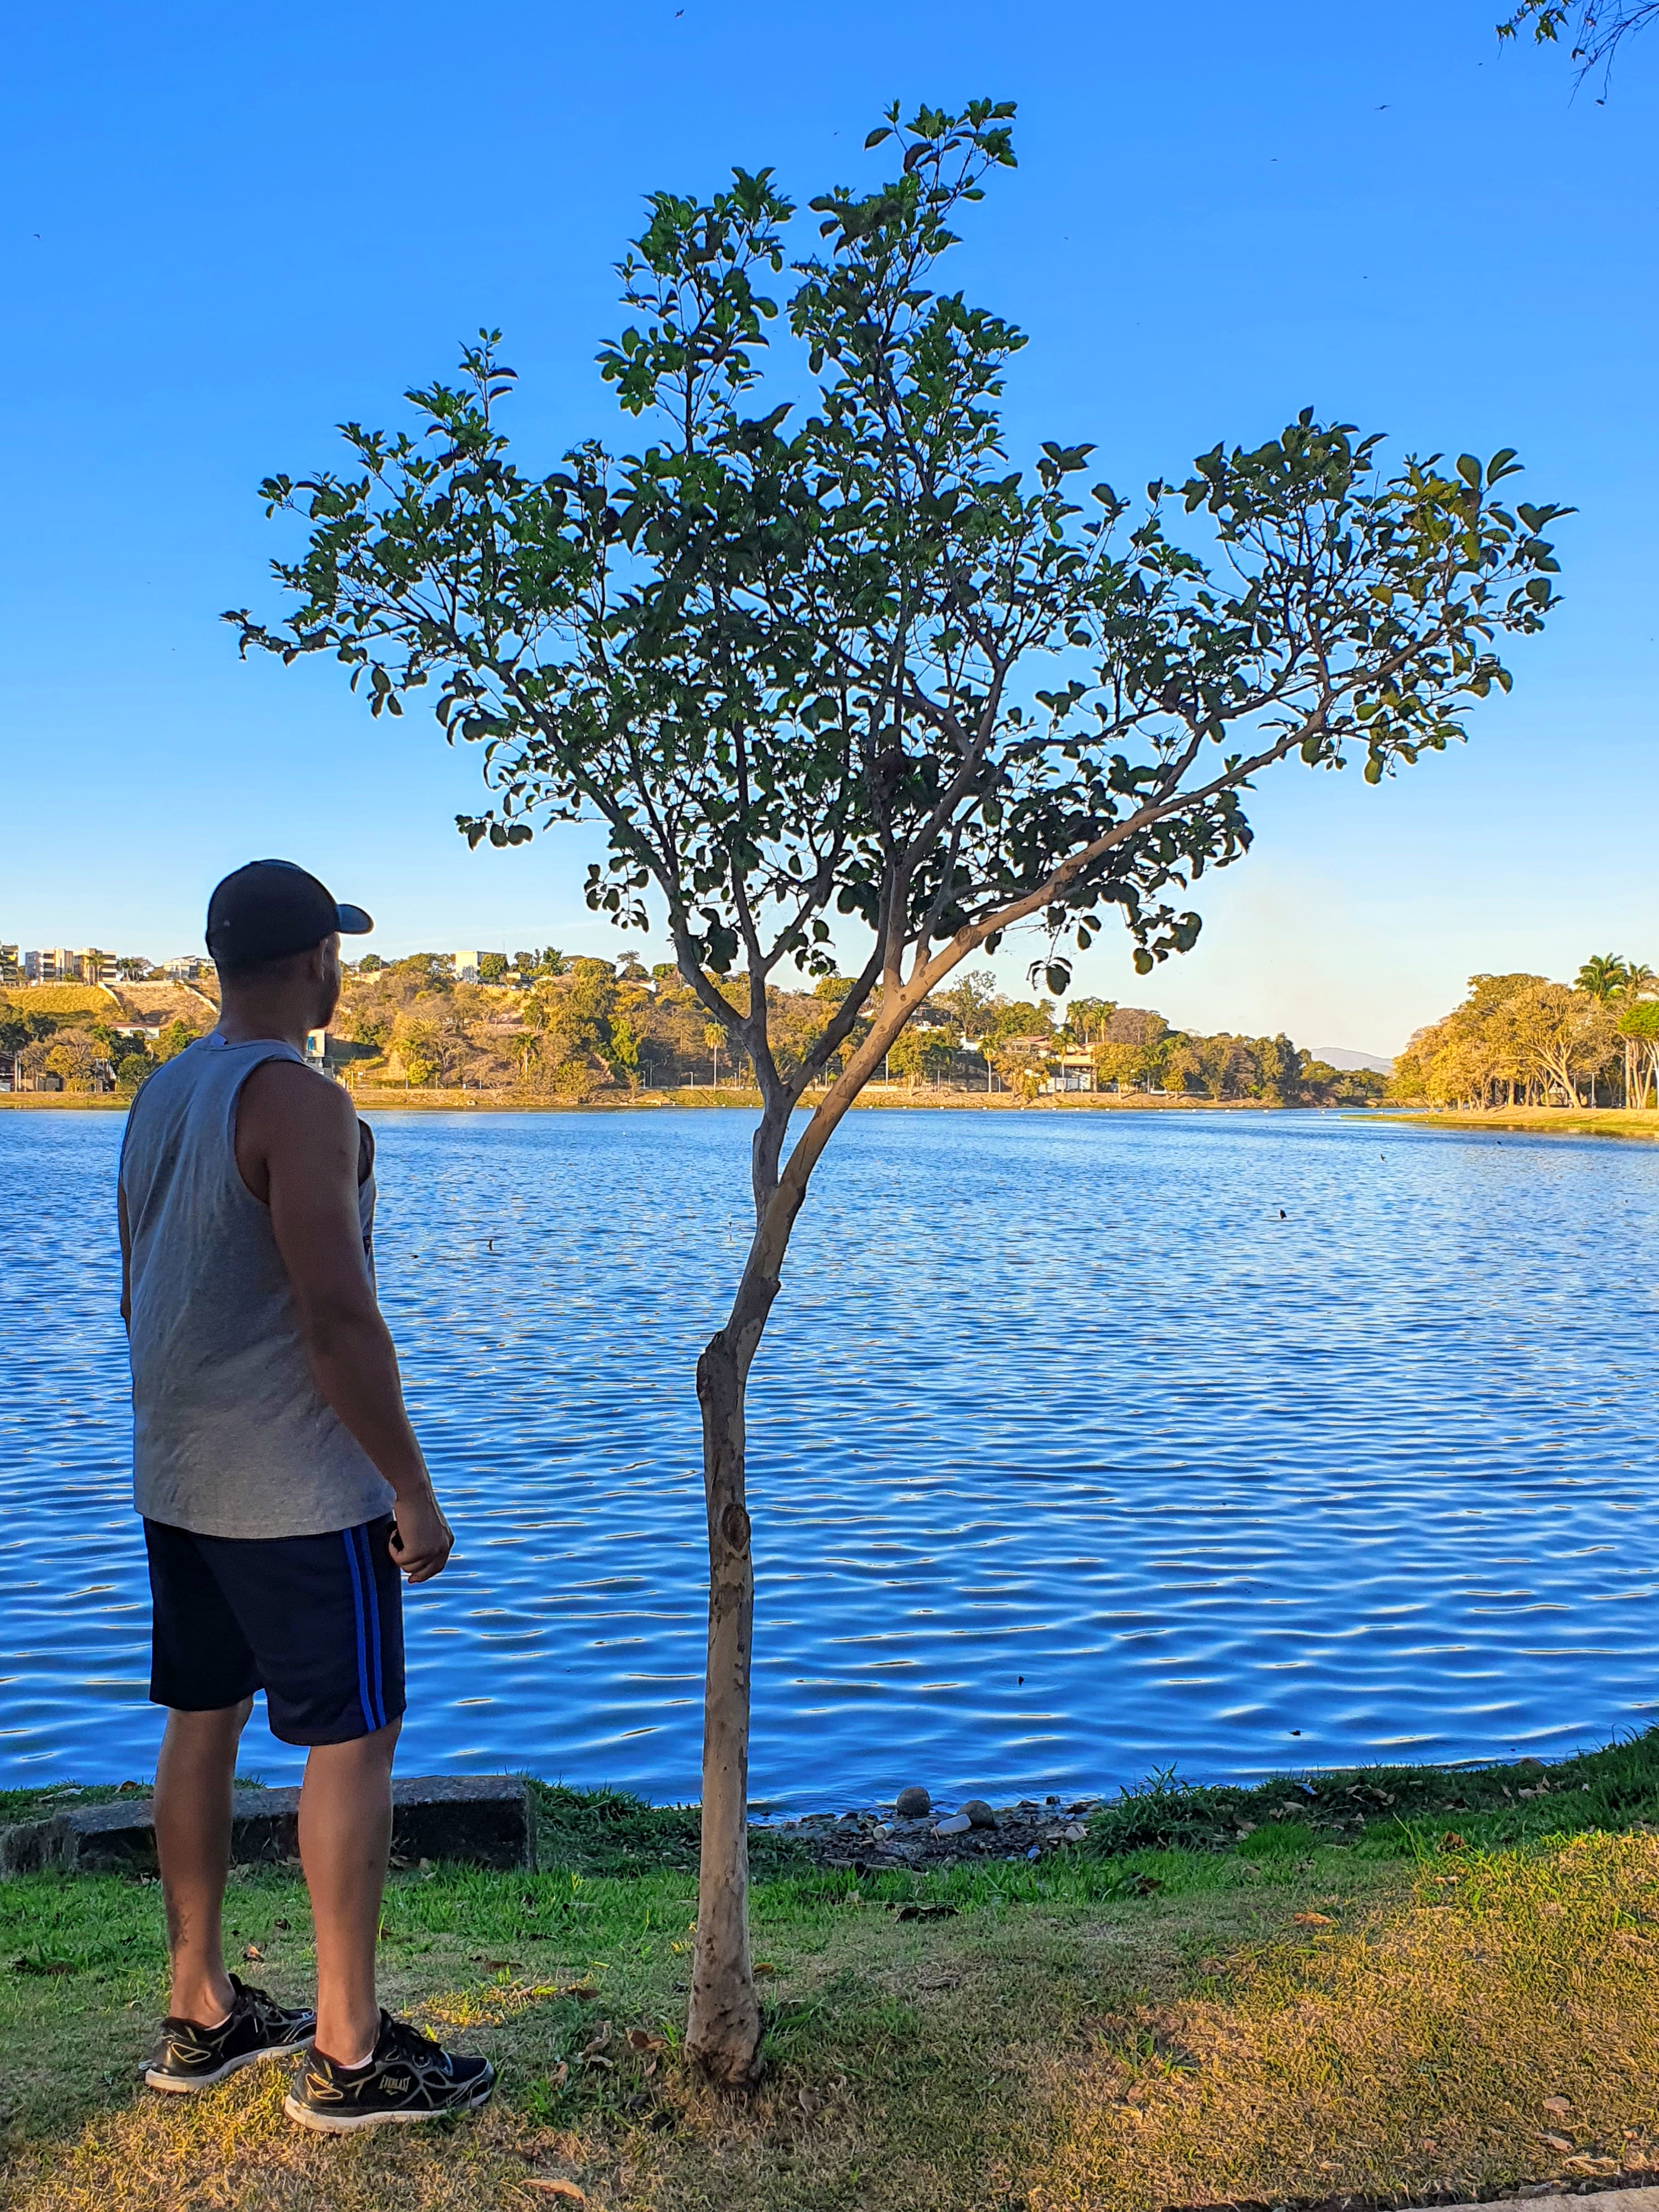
(869, 1840)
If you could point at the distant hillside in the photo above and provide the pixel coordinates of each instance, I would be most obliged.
(63, 1000)
(1338, 1055)
(157, 1004)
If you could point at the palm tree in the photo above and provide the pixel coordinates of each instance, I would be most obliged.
(1602, 976)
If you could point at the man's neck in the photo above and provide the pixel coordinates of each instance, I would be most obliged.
(254, 1017)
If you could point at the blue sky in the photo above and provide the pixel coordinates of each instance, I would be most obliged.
(226, 231)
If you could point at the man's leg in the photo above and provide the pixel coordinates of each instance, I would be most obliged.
(345, 1834)
(193, 1779)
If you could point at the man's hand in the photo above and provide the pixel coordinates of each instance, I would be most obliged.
(422, 1539)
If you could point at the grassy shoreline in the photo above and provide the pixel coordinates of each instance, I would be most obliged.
(1543, 1121)
(389, 1099)
(1394, 1985)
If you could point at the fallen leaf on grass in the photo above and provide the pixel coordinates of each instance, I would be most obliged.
(583, 1991)
(1212, 1967)
(642, 2039)
(1313, 1919)
(1451, 1841)
(1556, 2142)
(927, 1912)
(1144, 1885)
(764, 1966)
(1559, 2106)
(566, 2189)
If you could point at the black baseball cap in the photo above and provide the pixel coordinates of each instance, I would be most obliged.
(271, 908)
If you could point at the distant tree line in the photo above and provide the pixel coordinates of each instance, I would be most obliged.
(585, 1025)
(1128, 1048)
(1525, 1041)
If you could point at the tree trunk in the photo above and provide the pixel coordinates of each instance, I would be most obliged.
(723, 2026)
(723, 2030)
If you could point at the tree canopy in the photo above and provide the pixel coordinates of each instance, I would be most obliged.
(838, 658)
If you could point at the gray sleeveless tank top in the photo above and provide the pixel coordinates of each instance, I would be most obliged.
(231, 1436)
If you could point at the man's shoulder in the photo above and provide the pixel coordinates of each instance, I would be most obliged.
(287, 1090)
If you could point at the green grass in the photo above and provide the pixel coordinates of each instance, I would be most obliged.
(1144, 2020)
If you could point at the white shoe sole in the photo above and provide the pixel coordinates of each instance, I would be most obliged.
(331, 2123)
(173, 2087)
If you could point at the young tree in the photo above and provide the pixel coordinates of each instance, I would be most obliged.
(841, 657)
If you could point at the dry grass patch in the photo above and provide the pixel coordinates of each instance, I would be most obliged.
(1505, 2026)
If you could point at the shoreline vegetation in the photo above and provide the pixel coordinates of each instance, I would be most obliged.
(1612, 1121)
(896, 1097)
(1390, 1984)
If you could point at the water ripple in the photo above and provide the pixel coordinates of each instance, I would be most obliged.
(1069, 1457)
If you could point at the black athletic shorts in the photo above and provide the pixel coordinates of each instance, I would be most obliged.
(315, 1621)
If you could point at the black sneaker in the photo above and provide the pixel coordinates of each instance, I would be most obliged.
(190, 2056)
(405, 2077)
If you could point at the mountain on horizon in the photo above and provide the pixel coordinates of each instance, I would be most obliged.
(1338, 1055)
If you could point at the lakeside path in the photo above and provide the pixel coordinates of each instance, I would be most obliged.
(1401, 1986)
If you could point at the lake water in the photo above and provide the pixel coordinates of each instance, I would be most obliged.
(1081, 1444)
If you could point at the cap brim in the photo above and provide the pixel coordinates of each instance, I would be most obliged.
(352, 921)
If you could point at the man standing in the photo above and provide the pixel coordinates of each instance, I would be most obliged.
(282, 1490)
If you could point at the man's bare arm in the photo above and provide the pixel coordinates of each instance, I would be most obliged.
(296, 1146)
